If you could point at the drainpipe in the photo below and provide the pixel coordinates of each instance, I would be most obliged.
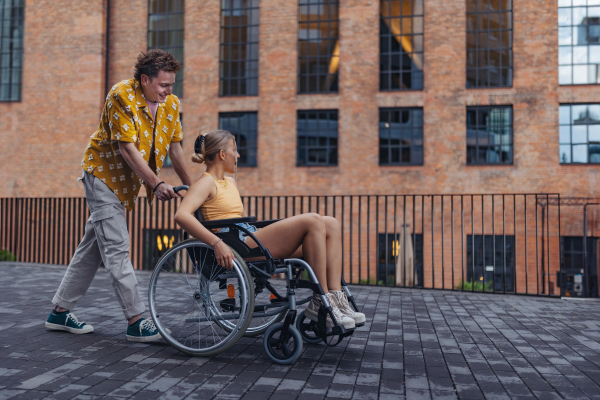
(107, 55)
(585, 281)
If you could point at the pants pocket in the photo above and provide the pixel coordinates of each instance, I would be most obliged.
(111, 224)
(114, 229)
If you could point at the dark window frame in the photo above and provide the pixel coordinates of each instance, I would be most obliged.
(485, 245)
(413, 144)
(479, 123)
(587, 123)
(566, 33)
(251, 140)
(501, 49)
(250, 81)
(303, 148)
(387, 246)
(15, 22)
(329, 81)
(387, 54)
(163, 35)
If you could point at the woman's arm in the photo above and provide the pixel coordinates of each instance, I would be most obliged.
(194, 198)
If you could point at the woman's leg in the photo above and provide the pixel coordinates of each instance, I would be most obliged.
(283, 238)
(334, 253)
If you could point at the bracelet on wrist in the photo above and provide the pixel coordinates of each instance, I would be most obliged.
(216, 243)
(156, 187)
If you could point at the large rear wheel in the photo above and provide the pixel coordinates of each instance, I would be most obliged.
(199, 307)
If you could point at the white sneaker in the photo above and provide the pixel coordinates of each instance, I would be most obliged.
(345, 308)
(312, 312)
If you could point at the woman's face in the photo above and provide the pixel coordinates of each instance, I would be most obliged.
(230, 155)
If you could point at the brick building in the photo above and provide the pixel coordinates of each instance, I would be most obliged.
(328, 97)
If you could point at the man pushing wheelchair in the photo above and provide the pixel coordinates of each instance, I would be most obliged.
(208, 290)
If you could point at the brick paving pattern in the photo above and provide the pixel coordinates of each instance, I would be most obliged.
(417, 344)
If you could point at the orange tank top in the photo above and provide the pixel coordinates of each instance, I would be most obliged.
(226, 204)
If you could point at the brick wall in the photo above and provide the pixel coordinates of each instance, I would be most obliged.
(44, 135)
(64, 72)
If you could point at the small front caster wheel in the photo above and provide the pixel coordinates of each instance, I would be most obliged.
(307, 328)
(283, 347)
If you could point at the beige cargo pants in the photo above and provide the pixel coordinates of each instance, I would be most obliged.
(105, 242)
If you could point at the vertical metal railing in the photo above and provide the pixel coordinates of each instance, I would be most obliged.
(498, 243)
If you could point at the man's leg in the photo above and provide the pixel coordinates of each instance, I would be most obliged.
(81, 271)
(78, 277)
(110, 225)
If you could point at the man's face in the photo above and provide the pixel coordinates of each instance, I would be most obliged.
(158, 88)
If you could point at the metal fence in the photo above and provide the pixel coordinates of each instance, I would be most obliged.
(498, 243)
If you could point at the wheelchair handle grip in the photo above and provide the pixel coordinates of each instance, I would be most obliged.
(182, 187)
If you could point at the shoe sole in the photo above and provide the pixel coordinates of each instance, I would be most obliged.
(144, 339)
(359, 320)
(328, 323)
(76, 331)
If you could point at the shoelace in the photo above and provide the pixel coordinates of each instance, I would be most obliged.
(337, 313)
(74, 319)
(343, 302)
(148, 324)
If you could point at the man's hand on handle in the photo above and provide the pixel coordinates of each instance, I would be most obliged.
(164, 192)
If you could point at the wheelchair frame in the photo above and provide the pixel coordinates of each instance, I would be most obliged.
(260, 268)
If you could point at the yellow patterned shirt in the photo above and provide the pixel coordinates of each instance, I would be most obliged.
(126, 117)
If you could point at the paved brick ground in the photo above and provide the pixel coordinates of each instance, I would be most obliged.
(418, 344)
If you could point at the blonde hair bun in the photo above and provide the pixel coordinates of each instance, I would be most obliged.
(197, 158)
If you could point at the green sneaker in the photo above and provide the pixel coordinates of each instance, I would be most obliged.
(66, 321)
(143, 330)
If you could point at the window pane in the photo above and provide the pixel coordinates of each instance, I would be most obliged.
(404, 128)
(565, 55)
(594, 133)
(239, 20)
(565, 154)
(318, 44)
(489, 44)
(579, 134)
(584, 120)
(402, 67)
(489, 135)
(580, 154)
(564, 134)
(578, 37)
(11, 46)
(313, 129)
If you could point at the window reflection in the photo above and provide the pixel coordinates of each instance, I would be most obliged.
(489, 135)
(11, 49)
(317, 137)
(579, 42)
(238, 69)
(401, 136)
(401, 44)
(579, 133)
(318, 46)
(489, 43)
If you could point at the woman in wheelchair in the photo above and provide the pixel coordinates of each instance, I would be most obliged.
(315, 238)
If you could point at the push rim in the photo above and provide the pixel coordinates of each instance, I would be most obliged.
(187, 297)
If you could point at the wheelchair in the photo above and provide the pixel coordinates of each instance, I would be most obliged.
(202, 309)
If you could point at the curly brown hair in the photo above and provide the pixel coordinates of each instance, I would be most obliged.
(154, 61)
